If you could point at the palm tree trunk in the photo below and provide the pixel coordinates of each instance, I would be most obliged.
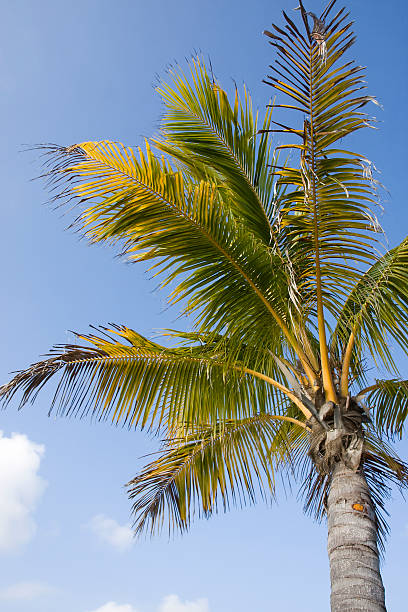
(356, 583)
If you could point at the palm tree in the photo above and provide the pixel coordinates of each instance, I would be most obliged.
(278, 263)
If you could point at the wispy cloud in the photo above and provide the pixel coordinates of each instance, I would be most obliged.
(111, 606)
(170, 603)
(27, 591)
(21, 487)
(109, 531)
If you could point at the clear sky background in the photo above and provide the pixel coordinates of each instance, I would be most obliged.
(85, 70)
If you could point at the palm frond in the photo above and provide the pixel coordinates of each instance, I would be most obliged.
(125, 377)
(228, 278)
(202, 129)
(376, 310)
(207, 469)
(332, 187)
(388, 400)
(326, 219)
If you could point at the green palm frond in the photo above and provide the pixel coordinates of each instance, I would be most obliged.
(202, 129)
(230, 465)
(388, 400)
(125, 377)
(222, 140)
(376, 311)
(227, 276)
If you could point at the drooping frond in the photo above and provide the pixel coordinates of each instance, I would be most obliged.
(207, 469)
(202, 129)
(125, 377)
(388, 400)
(376, 311)
(227, 276)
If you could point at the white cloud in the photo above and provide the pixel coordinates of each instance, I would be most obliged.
(111, 606)
(21, 487)
(26, 591)
(172, 603)
(108, 530)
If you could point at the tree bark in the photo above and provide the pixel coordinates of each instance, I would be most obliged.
(356, 583)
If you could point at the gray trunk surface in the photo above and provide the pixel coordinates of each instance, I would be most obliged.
(356, 584)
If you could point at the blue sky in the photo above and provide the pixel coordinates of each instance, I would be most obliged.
(85, 70)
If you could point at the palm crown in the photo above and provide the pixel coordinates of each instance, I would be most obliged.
(277, 261)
